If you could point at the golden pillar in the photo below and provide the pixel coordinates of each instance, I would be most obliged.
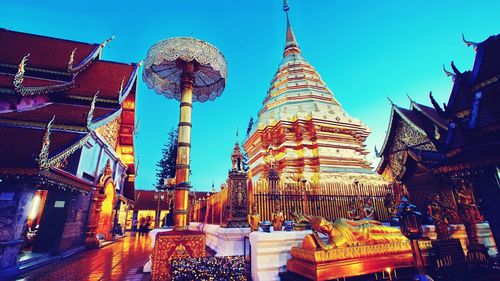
(183, 148)
(188, 70)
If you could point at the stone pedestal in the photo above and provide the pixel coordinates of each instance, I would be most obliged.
(236, 211)
(271, 251)
(152, 234)
(175, 244)
(225, 241)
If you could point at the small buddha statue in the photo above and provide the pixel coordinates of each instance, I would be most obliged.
(300, 222)
(277, 217)
(469, 213)
(353, 213)
(368, 209)
(254, 218)
(438, 212)
(390, 204)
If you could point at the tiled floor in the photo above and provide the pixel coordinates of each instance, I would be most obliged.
(122, 260)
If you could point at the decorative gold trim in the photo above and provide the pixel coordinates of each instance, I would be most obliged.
(19, 77)
(56, 160)
(90, 115)
(486, 83)
(71, 59)
(39, 90)
(31, 124)
(89, 59)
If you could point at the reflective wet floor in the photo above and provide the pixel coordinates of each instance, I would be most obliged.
(122, 260)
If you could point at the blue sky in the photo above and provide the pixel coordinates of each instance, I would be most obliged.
(364, 50)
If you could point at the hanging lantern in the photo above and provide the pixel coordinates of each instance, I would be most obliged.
(410, 220)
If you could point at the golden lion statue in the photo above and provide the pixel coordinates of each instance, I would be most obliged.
(344, 232)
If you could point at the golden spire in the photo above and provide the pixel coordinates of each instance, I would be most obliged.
(291, 46)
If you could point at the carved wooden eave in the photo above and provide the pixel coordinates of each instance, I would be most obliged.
(22, 90)
(43, 157)
(90, 115)
(439, 123)
(123, 92)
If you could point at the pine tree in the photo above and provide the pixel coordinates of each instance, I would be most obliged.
(165, 168)
(245, 155)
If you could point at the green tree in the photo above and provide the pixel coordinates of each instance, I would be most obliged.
(245, 155)
(165, 168)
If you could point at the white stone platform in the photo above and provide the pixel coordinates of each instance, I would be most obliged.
(223, 241)
(270, 251)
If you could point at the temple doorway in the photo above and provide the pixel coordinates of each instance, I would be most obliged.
(32, 226)
(106, 216)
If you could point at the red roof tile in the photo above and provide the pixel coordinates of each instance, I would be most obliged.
(45, 52)
(103, 76)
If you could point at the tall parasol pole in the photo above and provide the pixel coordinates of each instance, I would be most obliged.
(188, 70)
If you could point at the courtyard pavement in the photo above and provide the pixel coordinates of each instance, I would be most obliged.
(122, 260)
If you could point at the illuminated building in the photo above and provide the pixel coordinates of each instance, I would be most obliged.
(66, 144)
(303, 131)
(452, 151)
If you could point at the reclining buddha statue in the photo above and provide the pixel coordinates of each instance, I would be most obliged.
(345, 232)
(353, 248)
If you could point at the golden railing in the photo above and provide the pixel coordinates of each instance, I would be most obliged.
(330, 200)
(209, 209)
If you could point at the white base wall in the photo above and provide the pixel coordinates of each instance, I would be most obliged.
(224, 241)
(270, 251)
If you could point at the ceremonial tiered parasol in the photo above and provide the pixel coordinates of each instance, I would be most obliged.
(188, 70)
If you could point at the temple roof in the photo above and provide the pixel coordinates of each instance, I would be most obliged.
(21, 146)
(42, 77)
(46, 52)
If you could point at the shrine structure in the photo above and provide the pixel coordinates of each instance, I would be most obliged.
(302, 131)
(452, 151)
(67, 120)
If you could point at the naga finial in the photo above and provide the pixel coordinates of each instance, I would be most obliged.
(18, 79)
(90, 115)
(121, 86)
(453, 76)
(377, 153)
(390, 101)
(43, 157)
(455, 69)
(71, 59)
(408, 96)
(470, 43)
(285, 6)
(437, 134)
(103, 44)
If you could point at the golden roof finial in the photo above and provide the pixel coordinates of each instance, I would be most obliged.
(43, 157)
(18, 79)
(121, 86)
(71, 59)
(103, 44)
(453, 76)
(90, 115)
(469, 43)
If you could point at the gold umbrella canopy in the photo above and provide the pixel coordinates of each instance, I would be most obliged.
(163, 68)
